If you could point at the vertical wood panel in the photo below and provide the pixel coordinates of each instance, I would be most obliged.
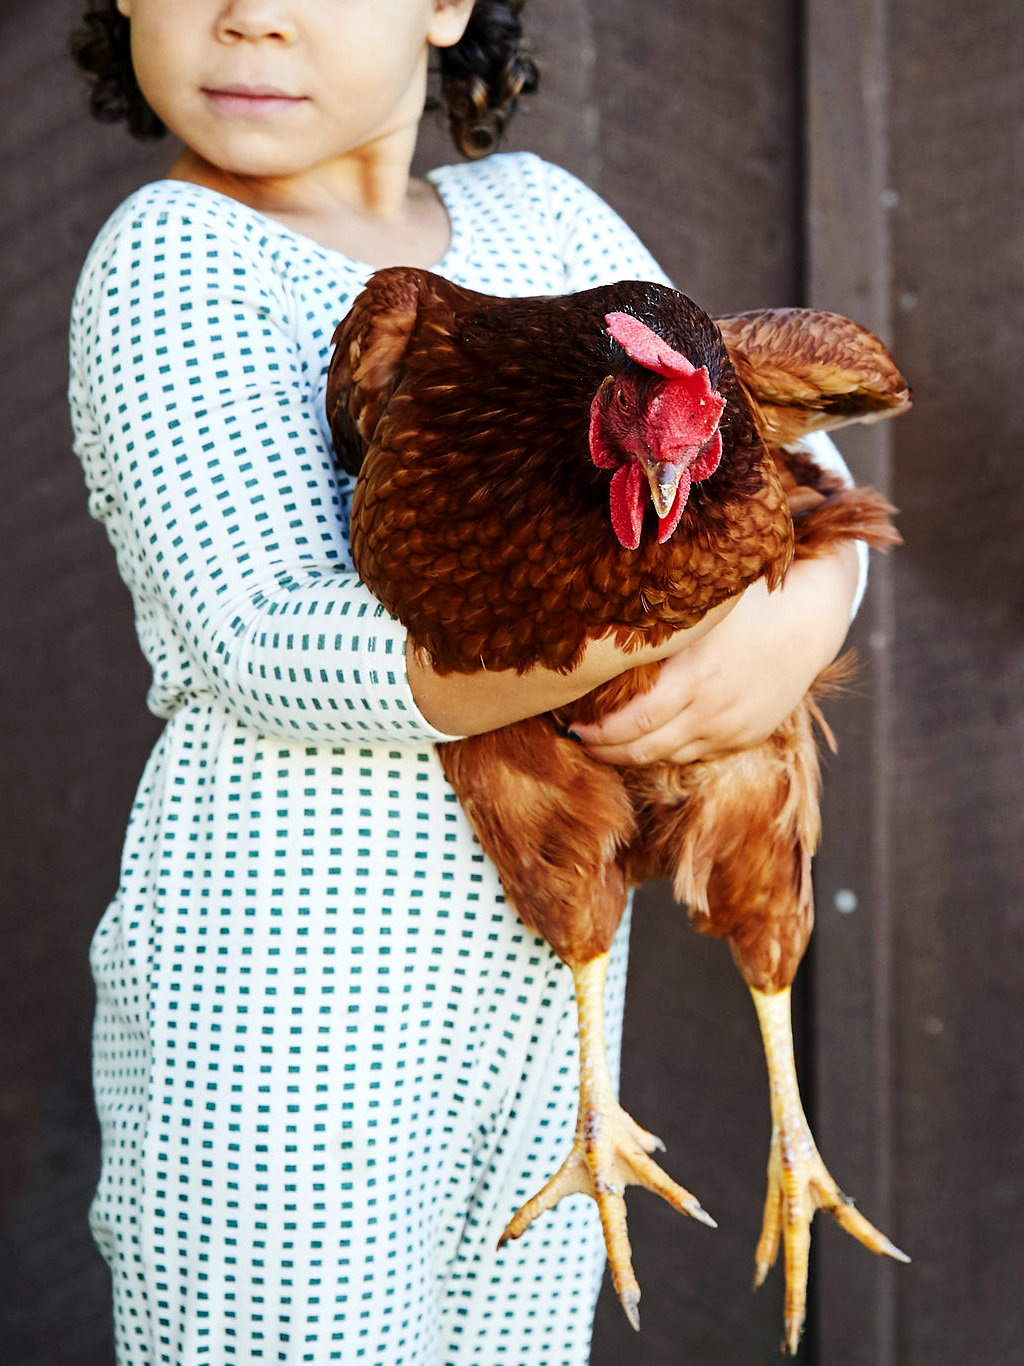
(700, 153)
(73, 689)
(699, 116)
(958, 818)
(848, 270)
(941, 259)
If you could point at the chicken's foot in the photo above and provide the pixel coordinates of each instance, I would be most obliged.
(610, 1150)
(799, 1183)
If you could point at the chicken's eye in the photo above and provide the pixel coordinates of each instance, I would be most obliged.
(622, 400)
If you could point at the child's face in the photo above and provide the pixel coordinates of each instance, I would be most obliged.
(268, 88)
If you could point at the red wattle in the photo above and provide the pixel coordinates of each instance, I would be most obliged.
(707, 461)
(627, 505)
(599, 453)
(666, 525)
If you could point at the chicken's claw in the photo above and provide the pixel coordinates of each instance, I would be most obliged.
(610, 1152)
(799, 1183)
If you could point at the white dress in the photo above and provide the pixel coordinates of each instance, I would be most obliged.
(329, 1061)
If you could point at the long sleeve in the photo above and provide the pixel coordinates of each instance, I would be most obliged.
(198, 418)
(595, 245)
(827, 455)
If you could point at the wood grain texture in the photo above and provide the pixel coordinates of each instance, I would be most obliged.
(931, 962)
(76, 728)
(957, 117)
(850, 968)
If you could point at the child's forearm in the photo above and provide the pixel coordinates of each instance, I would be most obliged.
(469, 704)
(741, 681)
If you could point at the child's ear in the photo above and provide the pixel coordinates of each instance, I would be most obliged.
(450, 20)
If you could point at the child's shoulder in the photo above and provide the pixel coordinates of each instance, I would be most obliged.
(517, 195)
(522, 176)
(170, 222)
(174, 204)
(520, 199)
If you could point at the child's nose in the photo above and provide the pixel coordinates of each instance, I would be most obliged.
(253, 20)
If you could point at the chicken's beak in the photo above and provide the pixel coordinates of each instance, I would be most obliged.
(663, 477)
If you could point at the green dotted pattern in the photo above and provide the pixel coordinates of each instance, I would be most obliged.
(329, 1061)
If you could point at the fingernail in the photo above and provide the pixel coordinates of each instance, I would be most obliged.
(573, 736)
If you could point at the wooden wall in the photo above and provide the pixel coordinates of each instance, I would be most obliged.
(867, 157)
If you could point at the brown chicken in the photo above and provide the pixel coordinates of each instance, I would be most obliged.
(536, 473)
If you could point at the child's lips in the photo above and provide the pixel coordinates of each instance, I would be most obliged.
(250, 101)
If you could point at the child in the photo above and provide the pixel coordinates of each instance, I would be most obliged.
(329, 1061)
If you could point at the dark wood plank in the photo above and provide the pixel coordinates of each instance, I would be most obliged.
(958, 813)
(938, 1137)
(699, 149)
(699, 126)
(73, 701)
(851, 961)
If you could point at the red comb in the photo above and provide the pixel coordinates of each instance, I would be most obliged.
(646, 347)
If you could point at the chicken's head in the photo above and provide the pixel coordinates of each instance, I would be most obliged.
(656, 425)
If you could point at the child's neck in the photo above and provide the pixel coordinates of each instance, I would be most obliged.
(369, 210)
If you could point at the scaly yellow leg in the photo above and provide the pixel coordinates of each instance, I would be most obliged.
(798, 1180)
(610, 1150)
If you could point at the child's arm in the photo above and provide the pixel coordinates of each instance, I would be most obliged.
(734, 686)
(198, 411)
(469, 704)
(202, 432)
(740, 680)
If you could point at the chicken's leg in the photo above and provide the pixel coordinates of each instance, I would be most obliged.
(798, 1181)
(610, 1150)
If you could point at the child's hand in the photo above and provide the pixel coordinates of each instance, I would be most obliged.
(731, 688)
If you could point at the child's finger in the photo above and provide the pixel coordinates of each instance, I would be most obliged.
(666, 703)
(675, 741)
(621, 729)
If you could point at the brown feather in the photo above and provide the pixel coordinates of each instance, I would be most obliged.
(555, 823)
(809, 371)
(478, 517)
(367, 363)
(736, 835)
(479, 521)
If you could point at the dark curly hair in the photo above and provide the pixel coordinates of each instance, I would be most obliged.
(482, 76)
